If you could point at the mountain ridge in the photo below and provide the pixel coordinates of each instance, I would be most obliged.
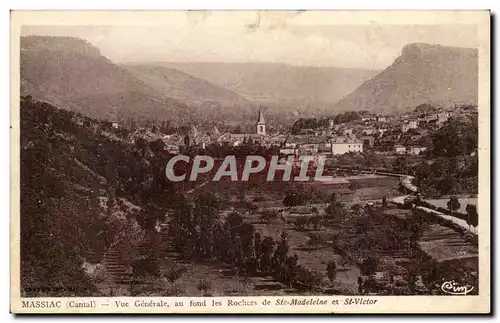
(71, 73)
(424, 73)
(280, 84)
(209, 98)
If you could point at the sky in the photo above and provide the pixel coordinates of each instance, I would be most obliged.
(295, 38)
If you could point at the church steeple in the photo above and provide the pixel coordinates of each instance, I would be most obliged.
(261, 124)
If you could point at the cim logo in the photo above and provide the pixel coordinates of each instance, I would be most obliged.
(453, 288)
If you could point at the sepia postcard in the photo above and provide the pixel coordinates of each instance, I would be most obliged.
(250, 162)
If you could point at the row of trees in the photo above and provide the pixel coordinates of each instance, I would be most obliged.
(308, 123)
(315, 123)
(201, 234)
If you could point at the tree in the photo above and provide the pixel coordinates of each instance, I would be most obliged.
(187, 140)
(384, 201)
(455, 138)
(257, 247)
(279, 257)
(291, 199)
(269, 216)
(369, 266)
(425, 108)
(472, 215)
(453, 204)
(173, 274)
(300, 222)
(400, 164)
(266, 251)
(331, 270)
(306, 279)
(334, 210)
(315, 221)
(204, 286)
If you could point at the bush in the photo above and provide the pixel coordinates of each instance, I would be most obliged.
(305, 279)
(269, 216)
(369, 266)
(204, 286)
(292, 199)
(300, 222)
(145, 267)
(331, 270)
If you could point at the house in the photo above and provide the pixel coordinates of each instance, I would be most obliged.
(308, 145)
(369, 131)
(115, 124)
(409, 124)
(416, 150)
(431, 117)
(381, 131)
(348, 132)
(368, 141)
(308, 148)
(400, 149)
(368, 118)
(289, 148)
(442, 118)
(288, 151)
(239, 138)
(343, 145)
(172, 149)
(381, 119)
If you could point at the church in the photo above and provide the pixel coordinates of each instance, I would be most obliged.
(258, 134)
(261, 124)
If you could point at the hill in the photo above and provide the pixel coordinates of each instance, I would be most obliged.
(210, 99)
(71, 73)
(86, 190)
(437, 75)
(280, 85)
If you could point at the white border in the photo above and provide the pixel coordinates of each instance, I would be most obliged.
(95, 4)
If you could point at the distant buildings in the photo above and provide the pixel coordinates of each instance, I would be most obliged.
(399, 149)
(343, 145)
(416, 150)
(442, 118)
(348, 132)
(409, 124)
(410, 150)
(368, 141)
(289, 149)
(172, 149)
(381, 131)
(369, 131)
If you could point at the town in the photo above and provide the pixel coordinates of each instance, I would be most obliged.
(348, 132)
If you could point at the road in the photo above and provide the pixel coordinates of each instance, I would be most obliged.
(457, 221)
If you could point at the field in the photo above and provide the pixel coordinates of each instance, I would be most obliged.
(347, 235)
(268, 196)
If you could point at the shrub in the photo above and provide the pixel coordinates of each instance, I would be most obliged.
(369, 266)
(204, 286)
(331, 270)
(300, 222)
